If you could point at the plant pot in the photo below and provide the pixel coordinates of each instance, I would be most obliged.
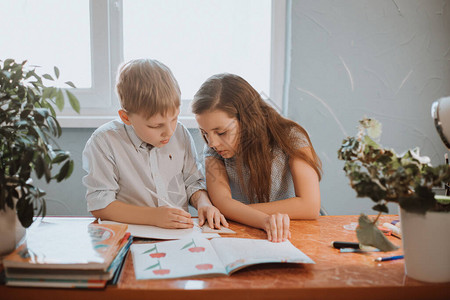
(11, 231)
(426, 245)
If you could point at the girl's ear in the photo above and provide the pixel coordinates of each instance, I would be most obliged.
(124, 117)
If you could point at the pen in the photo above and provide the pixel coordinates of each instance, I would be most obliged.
(389, 258)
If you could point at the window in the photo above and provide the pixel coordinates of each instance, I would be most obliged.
(88, 39)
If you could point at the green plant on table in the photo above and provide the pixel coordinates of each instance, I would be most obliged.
(27, 137)
(385, 176)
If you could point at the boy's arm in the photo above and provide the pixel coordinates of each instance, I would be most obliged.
(101, 182)
(164, 216)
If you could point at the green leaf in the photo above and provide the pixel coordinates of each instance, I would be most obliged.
(40, 133)
(47, 172)
(70, 83)
(65, 171)
(51, 121)
(42, 112)
(73, 101)
(56, 72)
(25, 211)
(69, 173)
(39, 166)
(368, 234)
(370, 142)
(59, 101)
(42, 211)
(150, 250)
(25, 113)
(188, 245)
(8, 62)
(52, 111)
(152, 266)
(48, 76)
(60, 158)
(44, 208)
(381, 208)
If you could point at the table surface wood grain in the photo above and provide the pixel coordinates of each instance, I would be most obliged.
(334, 275)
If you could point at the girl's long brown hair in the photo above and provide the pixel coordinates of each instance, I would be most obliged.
(262, 129)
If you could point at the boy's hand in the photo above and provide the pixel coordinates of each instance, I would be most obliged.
(213, 215)
(277, 227)
(171, 217)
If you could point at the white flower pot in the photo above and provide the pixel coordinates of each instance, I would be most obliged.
(11, 231)
(426, 245)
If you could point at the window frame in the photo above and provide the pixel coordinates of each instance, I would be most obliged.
(107, 54)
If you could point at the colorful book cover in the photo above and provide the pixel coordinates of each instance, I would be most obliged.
(74, 274)
(199, 257)
(67, 245)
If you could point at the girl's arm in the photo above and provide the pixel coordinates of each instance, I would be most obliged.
(206, 211)
(306, 204)
(276, 225)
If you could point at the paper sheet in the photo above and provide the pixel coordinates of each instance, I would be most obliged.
(207, 229)
(154, 232)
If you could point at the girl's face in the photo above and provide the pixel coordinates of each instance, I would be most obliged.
(220, 131)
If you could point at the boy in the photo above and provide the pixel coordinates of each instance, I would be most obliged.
(143, 169)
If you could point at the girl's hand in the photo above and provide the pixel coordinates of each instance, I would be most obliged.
(277, 227)
(212, 215)
(171, 217)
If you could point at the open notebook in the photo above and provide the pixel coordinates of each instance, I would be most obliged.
(196, 257)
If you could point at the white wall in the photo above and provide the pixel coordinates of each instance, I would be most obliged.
(384, 59)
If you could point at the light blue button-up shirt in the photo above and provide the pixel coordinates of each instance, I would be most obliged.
(120, 166)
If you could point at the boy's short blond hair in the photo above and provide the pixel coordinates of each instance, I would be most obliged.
(147, 87)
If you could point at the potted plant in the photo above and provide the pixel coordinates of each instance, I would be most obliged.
(407, 179)
(28, 128)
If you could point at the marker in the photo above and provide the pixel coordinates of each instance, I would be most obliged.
(339, 245)
(388, 258)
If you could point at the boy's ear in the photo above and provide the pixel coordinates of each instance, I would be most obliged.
(124, 117)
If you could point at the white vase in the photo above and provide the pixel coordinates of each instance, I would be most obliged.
(426, 245)
(11, 231)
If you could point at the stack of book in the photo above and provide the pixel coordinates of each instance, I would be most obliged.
(68, 254)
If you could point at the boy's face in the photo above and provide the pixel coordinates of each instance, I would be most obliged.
(220, 131)
(156, 130)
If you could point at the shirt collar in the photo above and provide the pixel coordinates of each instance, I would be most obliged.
(137, 142)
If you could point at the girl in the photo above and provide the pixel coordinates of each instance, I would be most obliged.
(261, 168)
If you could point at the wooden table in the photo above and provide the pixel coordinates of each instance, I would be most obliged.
(334, 276)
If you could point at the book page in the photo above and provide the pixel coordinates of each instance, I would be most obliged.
(173, 259)
(237, 253)
(154, 232)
